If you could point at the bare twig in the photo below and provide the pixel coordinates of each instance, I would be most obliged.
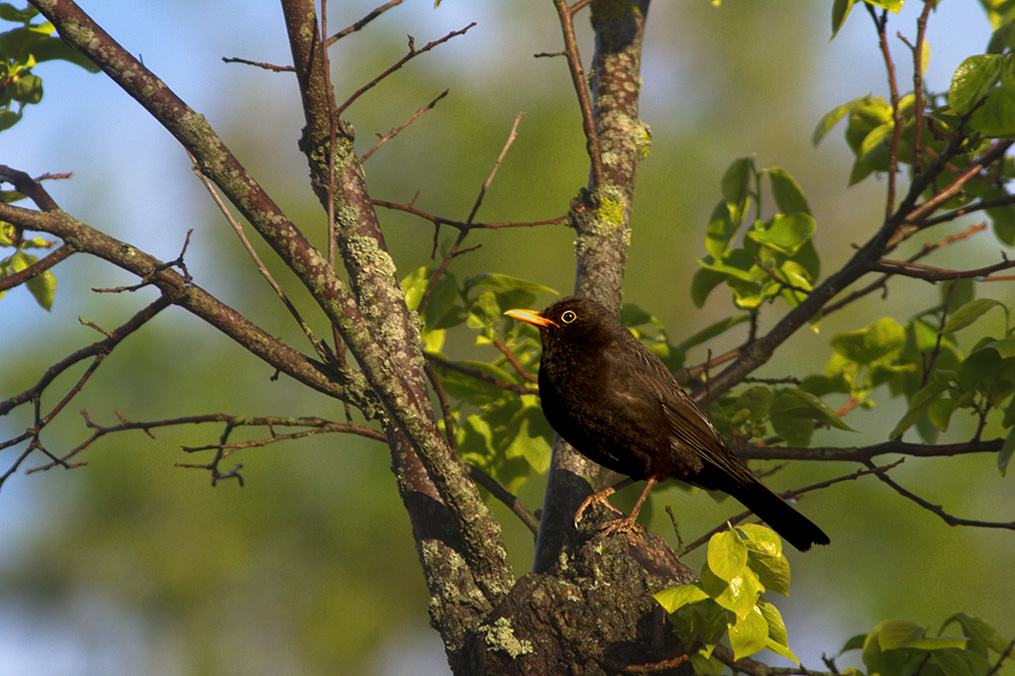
(893, 156)
(361, 23)
(413, 53)
(391, 134)
(566, 17)
(935, 274)
(506, 351)
(149, 278)
(938, 510)
(319, 346)
(97, 352)
(496, 165)
(918, 103)
(873, 469)
(462, 225)
(926, 250)
(258, 64)
(462, 234)
(479, 375)
(513, 503)
(1008, 652)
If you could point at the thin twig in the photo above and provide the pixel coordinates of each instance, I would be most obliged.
(935, 274)
(938, 510)
(506, 351)
(461, 225)
(361, 23)
(318, 345)
(258, 64)
(918, 103)
(574, 62)
(496, 165)
(505, 496)
(893, 155)
(462, 234)
(391, 134)
(873, 469)
(926, 250)
(413, 52)
(479, 375)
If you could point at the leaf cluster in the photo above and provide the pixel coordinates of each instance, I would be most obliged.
(902, 647)
(21, 48)
(742, 564)
(41, 286)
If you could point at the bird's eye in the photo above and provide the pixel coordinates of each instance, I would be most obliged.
(568, 317)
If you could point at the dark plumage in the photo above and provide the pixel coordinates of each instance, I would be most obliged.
(616, 403)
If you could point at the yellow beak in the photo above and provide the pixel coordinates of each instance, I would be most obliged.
(530, 317)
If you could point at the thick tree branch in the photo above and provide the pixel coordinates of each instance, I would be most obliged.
(601, 218)
(422, 460)
(349, 386)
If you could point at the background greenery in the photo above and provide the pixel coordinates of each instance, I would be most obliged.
(131, 564)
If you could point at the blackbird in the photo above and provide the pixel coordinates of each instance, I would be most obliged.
(616, 403)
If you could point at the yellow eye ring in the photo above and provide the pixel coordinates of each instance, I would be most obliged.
(568, 316)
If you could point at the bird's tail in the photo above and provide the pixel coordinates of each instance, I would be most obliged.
(782, 517)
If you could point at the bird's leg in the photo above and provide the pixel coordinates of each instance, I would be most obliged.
(628, 522)
(599, 497)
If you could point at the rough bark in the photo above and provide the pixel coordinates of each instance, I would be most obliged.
(590, 614)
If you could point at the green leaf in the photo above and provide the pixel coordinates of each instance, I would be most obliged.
(840, 10)
(27, 89)
(969, 313)
(785, 233)
(796, 403)
(533, 436)
(866, 115)
(895, 634)
(920, 403)
(1004, 457)
(473, 390)
(832, 117)
(702, 283)
(43, 288)
(890, 5)
(9, 13)
(736, 180)
(677, 597)
(776, 625)
(757, 400)
(509, 291)
(972, 80)
(727, 555)
(788, 195)
(955, 662)
(722, 228)
(980, 633)
(765, 557)
(879, 340)
(749, 634)
(996, 117)
(413, 286)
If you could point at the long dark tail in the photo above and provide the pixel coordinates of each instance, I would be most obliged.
(793, 526)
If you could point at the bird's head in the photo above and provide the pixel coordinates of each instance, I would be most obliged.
(572, 320)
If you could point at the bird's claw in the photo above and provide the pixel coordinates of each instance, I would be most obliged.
(601, 498)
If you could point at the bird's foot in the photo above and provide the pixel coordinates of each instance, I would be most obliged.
(625, 525)
(601, 498)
